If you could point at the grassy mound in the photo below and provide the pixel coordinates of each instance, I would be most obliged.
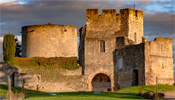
(137, 89)
(70, 63)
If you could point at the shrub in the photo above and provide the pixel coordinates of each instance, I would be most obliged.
(161, 95)
(9, 48)
(149, 95)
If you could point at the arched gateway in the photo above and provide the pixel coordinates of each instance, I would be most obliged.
(101, 82)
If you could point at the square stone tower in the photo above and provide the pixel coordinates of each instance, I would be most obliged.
(98, 40)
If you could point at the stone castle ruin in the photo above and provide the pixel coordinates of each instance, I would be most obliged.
(113, 53)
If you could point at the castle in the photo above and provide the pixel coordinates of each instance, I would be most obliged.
(112, 52)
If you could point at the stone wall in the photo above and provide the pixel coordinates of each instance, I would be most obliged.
(51, 80)
(151, 58)
(159, 61)
(49, 41)
(5, 71)
(132, 59)
(99, 62)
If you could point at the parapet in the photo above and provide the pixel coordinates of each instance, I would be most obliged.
(94, 13)
(46, 25)
(128, 11)
(163, 39)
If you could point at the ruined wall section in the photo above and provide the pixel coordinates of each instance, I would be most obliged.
(52, 80)
(49, 41)
(159, 61)
(132, 59)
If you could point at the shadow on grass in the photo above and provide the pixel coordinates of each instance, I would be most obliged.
(17, 89)
(89, 94)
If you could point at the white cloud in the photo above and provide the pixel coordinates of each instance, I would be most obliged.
(1, 39)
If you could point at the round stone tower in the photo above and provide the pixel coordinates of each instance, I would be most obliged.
(49, 41)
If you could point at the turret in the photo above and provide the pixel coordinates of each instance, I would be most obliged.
(132, 24)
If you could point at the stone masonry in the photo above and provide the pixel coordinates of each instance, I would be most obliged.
(49, 41)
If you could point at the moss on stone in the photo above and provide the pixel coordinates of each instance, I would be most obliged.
(70, 63)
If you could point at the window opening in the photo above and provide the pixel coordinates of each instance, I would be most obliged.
(102, 46)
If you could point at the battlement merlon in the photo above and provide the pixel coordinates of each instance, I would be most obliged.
(92, 13)
(129, 11)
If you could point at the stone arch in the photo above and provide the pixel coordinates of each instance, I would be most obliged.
(103, 74)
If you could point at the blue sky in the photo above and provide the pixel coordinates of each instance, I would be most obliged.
(159, 15)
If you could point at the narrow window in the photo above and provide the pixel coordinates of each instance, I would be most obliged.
(102, 46)
(135, 37)
(120, 63)
(162, 66)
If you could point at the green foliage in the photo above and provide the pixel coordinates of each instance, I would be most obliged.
(18, 48)
(48, 63)
(9, 48)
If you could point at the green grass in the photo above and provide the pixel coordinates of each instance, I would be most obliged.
(86, 96)
(70, 63)
(137, 89)
(122, 94)
(4, 89)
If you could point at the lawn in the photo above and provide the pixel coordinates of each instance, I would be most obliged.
(86, 96)
(122, 94)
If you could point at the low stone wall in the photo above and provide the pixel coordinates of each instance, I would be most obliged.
(48, 80)
(5, 71)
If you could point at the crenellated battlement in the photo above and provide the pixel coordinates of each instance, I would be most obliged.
(93, 14)
(129, 11)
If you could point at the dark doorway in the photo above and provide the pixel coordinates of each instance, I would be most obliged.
(101, 82)
(135, 78)
(13, 78)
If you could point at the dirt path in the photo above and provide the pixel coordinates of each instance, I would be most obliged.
(169, 95)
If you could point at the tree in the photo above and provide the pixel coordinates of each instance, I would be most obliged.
(18, 48)
(9, 47)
